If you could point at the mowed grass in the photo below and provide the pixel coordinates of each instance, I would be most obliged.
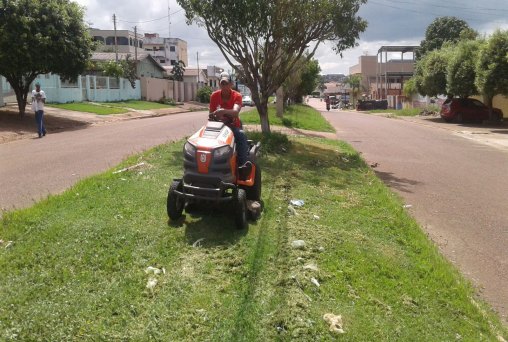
(89, 108)
(295, 116)
(107, 108)
(139, 105)
(404, 111)
(76, 267)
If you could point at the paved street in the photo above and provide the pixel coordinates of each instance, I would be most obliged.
(457, 188)
(33, 168)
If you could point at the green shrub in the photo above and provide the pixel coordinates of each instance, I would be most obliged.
(204, 94)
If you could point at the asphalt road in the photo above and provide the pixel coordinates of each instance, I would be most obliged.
(457, 189)
(31, 169)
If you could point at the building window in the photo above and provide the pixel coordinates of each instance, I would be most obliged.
(123, 41)
(172, 48)
(162, 61)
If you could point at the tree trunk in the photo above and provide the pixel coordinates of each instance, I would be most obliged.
(280, 102)
(488, 99)
(21, 96)
(263, 116)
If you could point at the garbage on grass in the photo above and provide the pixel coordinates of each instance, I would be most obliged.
(129, 168)
(297, 203)
(154, 270)
(197, 243)
(152, 282)
(407, 206)
(335, 322)
(311, 267)
(316, 217)
(298, 244)
(315, 282)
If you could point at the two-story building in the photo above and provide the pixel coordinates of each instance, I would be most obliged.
(383, 75)
(126, 41)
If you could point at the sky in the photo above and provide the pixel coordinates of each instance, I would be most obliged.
(390, 22)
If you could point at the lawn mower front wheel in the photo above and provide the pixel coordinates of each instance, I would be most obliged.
(175, 204)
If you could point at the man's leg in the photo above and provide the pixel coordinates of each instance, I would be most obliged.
(38, 120)
(241, 145)
(42, 123)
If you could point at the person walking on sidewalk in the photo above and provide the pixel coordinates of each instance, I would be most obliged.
(38, 101)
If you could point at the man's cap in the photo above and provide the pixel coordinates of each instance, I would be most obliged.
(37, 84)
(224, 77)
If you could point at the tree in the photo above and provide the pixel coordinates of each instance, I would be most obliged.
(309, 79)
(354, 82)
(461, 70)
(441, 30)
(410, 89)
(267, 37)
(178, 71)
(39, 37)
(430, 72)
(303, 80)
(492, 68)
(124, 68)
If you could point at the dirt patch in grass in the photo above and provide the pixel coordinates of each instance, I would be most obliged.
(14, 127)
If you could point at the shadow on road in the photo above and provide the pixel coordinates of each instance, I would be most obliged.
(400, 184)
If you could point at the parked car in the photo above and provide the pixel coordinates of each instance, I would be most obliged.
(371, 104)
(247, 100)
(461, 110)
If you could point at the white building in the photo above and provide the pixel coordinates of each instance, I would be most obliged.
(126, 41)
(167, 51)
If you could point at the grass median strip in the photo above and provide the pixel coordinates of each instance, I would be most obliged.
(77, 264)
(295, 116)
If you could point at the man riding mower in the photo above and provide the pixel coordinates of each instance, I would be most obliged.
(219, 163)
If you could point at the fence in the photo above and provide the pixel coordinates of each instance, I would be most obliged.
(85, 88)
(154, 89)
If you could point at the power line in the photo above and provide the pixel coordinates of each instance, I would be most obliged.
(420, 11)
(151, 20)
(459, 7)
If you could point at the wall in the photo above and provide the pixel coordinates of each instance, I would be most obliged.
(87, 88)
(148, 69)
(153, 89)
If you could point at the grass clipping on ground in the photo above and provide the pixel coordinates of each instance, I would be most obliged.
(101, 261)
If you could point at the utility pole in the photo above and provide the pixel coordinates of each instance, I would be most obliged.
(169, 22)
(116, 43)
(136, 44)
(197, 57)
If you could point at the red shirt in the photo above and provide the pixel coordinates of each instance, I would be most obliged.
(235, 98)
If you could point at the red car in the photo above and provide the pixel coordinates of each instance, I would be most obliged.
(461, 110)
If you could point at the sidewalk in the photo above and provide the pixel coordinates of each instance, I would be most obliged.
(13, 127)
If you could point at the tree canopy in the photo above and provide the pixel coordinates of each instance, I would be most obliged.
(441, 30)
(303, 80)
(38, 37)
(461, 69)
(264, 39)
(430, 73)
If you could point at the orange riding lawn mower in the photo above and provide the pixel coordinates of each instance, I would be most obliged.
(212, 176)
